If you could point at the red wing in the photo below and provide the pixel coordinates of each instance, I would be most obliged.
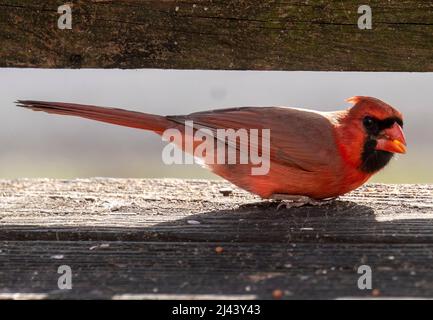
(298, 138)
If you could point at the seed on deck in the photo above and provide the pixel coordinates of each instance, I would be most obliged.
(277, 294)
(219, 250)
(375, 292)
(226, 191)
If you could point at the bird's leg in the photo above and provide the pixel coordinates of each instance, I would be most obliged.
(295, 201)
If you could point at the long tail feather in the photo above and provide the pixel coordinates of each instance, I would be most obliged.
(120, 117)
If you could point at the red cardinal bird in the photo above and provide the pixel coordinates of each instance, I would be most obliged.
(313, 155)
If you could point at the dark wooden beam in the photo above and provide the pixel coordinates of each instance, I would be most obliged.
(205, 34)
(159, 238)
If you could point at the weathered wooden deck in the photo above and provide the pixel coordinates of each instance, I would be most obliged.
(163, 239)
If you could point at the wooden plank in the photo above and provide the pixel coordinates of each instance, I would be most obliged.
(157, 239)
(168, 210)
(123, 270)
(205, 34)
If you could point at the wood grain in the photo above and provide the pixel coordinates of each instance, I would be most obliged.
(205, 34)
(156, 239)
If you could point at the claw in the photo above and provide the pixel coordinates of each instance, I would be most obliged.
(294, 201)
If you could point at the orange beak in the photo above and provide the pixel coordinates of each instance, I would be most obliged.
(392, 140)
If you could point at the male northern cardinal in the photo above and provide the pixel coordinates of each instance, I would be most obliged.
(313, 155)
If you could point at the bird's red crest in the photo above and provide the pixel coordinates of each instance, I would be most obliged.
(371, 106)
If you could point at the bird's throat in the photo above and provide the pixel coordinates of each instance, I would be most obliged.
(373, 160)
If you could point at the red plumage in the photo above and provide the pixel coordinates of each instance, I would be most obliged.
(315, 154)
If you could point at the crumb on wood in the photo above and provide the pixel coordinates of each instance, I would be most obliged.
(375, 292)
(226, 191)
(219, 250)
(277, 294)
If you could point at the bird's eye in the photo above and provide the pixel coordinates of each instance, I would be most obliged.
(368, 122)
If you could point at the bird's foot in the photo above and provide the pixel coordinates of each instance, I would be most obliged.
(295, 201)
